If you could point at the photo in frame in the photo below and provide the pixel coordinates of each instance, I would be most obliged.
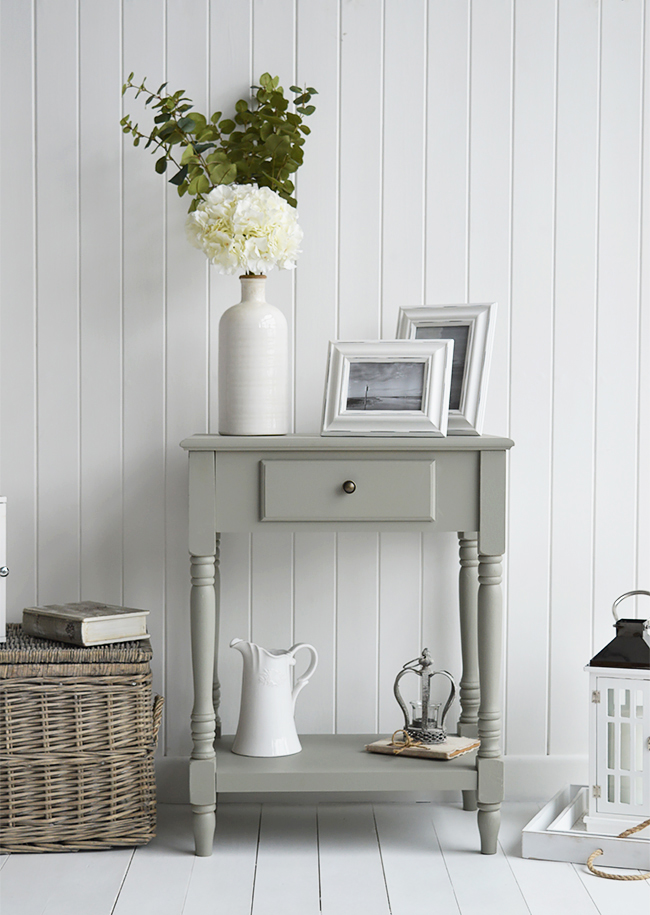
(471, 327)
(388, 387)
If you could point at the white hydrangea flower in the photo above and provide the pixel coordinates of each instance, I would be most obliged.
(245, 228)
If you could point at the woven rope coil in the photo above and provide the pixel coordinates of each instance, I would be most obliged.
(595, 854)
(78, 730)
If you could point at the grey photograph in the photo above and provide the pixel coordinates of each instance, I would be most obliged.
(385, 386)
(459, 333)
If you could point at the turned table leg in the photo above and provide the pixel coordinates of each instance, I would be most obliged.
(216, 685)
(489, 762)
(202, 761)
(469, 682)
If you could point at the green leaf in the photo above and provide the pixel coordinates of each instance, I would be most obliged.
(223, 172)
(161, 165)
(202, 185)
(187, 124)
(179, 177)
(227, 126)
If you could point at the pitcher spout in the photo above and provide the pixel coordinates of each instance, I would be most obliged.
(242, 646)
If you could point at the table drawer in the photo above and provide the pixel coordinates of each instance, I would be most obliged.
(399, 490)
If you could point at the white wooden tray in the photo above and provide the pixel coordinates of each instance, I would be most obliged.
(557, 833)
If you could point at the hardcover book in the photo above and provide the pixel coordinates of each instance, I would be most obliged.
(86, 623)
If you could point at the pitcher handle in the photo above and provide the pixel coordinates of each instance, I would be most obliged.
(304, 680)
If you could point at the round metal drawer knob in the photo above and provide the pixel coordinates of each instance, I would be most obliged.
(4, 571)
(349, 486)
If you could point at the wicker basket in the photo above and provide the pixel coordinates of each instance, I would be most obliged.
(78, 733)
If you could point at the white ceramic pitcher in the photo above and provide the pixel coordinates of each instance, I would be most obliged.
(266, 725)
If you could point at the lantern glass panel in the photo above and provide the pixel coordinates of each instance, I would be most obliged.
(639, 703)
(625, 746)
(625, 703)
(639, 748)
(611, 745)
(611, 789)
(610, 703)
(638, 781)
(625, 789)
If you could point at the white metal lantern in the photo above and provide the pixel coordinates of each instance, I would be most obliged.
(619, 728)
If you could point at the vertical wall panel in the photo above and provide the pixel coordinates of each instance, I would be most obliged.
(489, 188)
(318, 45)
(532, 353)
(315, 622)
(357, 624)
(186, 357)
(400, 599)
(402, 281)
(360, 204)
(57, 188)
(17, 300)
(235, 622)
(618, 304)
(447, 152)
(143, 236)
(643, 507)
(574, 374)
(100, 307)
(272, 590)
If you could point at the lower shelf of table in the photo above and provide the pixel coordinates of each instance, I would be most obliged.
(340, 763)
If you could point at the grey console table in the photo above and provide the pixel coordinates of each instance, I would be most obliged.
(295, 482)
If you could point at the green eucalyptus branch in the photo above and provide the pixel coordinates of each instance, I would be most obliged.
(261, 145)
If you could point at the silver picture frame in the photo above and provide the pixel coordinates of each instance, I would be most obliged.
(387, 387)
(471, 326)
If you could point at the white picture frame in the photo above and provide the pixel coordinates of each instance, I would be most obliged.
(387, 387)
(472, 328)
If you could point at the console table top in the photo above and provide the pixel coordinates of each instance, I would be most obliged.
(331, 443)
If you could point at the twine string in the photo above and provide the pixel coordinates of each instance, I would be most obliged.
(406, 742)
(599, 851)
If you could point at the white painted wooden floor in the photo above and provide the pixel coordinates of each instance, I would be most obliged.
(340, 859)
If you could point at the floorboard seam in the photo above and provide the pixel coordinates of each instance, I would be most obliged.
(444, 859)
(257, 856)
(381, 859)
(123, 881)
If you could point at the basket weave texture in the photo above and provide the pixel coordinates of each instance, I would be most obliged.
(78, 732)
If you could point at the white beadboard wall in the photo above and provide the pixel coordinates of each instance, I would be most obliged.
(462, 151)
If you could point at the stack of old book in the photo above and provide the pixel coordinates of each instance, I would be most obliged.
(86, 624)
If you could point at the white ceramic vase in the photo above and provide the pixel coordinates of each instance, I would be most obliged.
(253, 365)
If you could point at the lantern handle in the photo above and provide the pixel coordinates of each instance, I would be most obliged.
(622, 597)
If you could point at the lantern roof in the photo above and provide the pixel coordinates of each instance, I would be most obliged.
(629, 649)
